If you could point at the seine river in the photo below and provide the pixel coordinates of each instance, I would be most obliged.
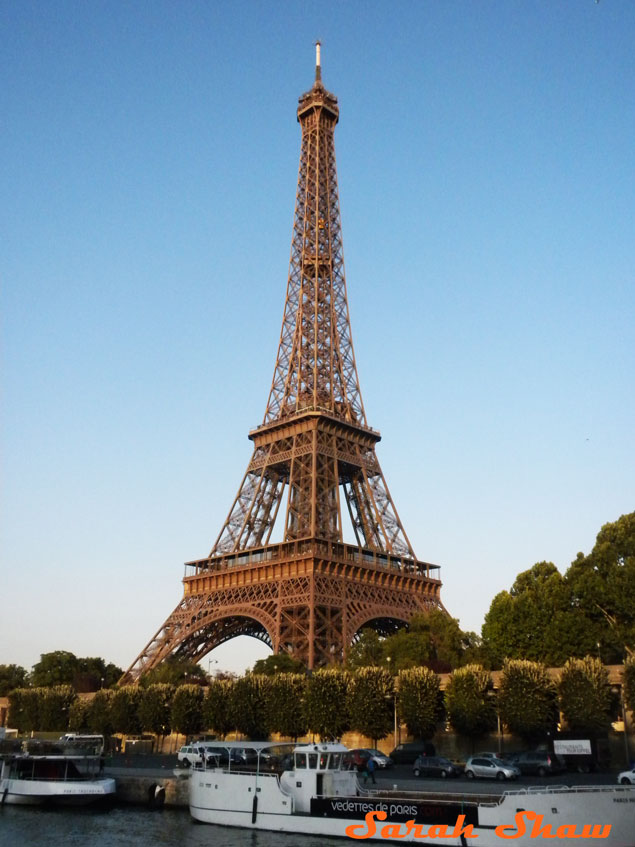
(132, 827)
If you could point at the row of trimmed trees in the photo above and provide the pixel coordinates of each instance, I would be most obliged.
(330, 702)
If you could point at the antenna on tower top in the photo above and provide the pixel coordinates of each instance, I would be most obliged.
(318, 67)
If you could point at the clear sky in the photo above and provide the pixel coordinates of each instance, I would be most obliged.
(148, 166)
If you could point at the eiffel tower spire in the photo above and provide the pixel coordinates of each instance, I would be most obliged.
(313, 469)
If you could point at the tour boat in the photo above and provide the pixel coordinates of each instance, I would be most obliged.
(313, 792)
(55, 778)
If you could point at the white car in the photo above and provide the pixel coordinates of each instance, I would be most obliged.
(626, 777)
(482, 766)
(190, 754)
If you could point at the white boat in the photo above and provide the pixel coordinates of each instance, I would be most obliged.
(57, 778)
(315, 795)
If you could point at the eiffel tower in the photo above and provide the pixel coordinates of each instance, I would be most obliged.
(310, 594)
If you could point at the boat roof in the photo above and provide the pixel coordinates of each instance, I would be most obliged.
(251, 745)
(325, 747)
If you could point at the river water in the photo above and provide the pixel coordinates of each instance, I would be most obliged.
(132, 827)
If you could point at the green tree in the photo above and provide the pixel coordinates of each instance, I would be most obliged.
(11, 676)
(367, 651)
(603, 587)
(98, 714)
(78, 716)
(371, 702)
(540, 600)
(327, 709)
(409, 647)
(187, 709)
(279, 663)
(470, 705)
(24, 709)
(628, 681)
(155, 708)
(418, 701)
(93, 673)
(432, 639)
(56, 668)
(248, 705)
(527, 700)
(286, 705)
(124, 709)
(217, 714)
(174, 671)
(585, 696)
(54, 708)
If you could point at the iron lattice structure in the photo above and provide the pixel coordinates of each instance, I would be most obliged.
(310, 594)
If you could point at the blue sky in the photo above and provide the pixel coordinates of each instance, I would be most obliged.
(149, 163)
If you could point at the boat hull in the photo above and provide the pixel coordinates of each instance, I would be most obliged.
(22, 792)
(587, 816)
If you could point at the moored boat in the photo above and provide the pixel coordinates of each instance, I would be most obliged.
(311, 793)
(53, 777)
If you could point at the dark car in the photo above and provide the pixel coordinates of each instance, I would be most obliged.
(539, 762)
(435, 766)
(406, 753)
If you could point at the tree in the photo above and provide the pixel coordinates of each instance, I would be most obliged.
(124, 709)
(56, 668)
(286, 705)
(248, 705)
(24, 709)
(527, 700)
(216, 706)
(98, 716)
(93, 673)
(174, 671)
(628, 681)
(155, 708)
(12, 676)
(469, 701)
(78, 716)
(418, 701)
(592, 604)
(585, 696)
(371, 701)
(55, 705)
(187, 709)
(279, 663)
(432, 639)
(603, 587)
(327, 709)
(367, 651)
(540, 600)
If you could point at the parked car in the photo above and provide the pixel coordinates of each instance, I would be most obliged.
(406, 753)
(435, 766)
(626, 777)
(381, 759)
(540, 762)
(489, 767)
(190, 754)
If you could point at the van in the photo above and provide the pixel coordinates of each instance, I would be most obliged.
(406, 753)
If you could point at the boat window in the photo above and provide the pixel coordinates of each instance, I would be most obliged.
(300, 760)
(313, 760)
(324, 760)
(335, 761)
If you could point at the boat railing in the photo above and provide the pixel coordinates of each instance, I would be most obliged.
(445, 798)
(568, 789)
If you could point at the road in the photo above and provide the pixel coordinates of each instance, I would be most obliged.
(400, 775)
